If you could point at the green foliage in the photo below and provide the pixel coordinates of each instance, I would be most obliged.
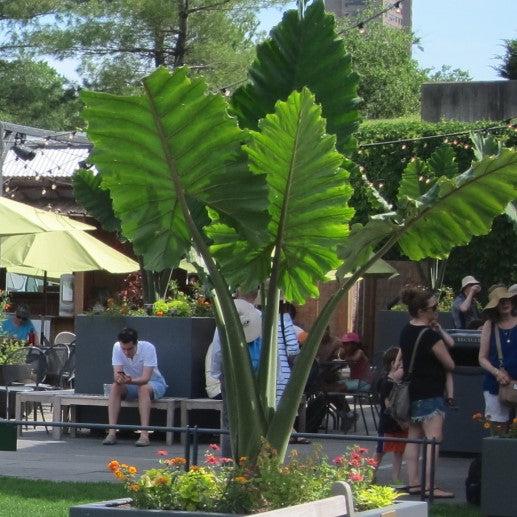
(306, 222)
(34, 94)
(390, 79)
(302, 51)
(375, 496)
(507, 69)
(89, 193)
(118, 41)
(158, 142)
(12, 350)
(447, 74)
(247, 487)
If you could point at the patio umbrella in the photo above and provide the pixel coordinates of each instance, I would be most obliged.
(61, 252)
(19, 218)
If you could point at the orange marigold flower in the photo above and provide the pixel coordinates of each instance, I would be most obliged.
(119, 474)
(486, 425)
(243, 459)
(241, 480)
(134, 487)
(514, 421)
(162, 480)
(178, 460)
(132, 470)
(113, 465)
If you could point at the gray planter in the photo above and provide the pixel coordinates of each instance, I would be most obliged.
(181, 345)
(10, 373)
(498, 479)
(400, 509)
(115, 508)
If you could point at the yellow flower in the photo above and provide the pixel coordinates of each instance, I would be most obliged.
(241, 480)
(119, 474)
(486, 425)
(175, 461)
(134, 487)
(132, 470)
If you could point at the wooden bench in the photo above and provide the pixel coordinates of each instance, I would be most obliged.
(62, 403)
(187, 405)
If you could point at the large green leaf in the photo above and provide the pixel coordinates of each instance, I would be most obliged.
(410, 186)
(89, 194)
(171, 146)
(443, 162)
(308, 195)
(303, 50)
(455, 210)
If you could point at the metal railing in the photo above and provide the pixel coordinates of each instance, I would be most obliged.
(191, 446)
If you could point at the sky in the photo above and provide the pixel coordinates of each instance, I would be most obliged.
(465, 34)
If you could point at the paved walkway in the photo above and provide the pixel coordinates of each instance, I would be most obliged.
(84, 459)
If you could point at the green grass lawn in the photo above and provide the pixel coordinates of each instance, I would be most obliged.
(22, 497)
(454, 510)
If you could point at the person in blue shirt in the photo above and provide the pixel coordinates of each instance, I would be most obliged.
(20, 326)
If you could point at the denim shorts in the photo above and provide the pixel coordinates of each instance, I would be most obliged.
(158, 386)
(425, 409)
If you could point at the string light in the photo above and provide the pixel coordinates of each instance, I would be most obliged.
(360, 25)
(43, 192)
(54, 186)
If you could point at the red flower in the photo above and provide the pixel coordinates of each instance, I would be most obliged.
(362, 450)
(356, 477)
(162, 452)
(355, 462)
(210, 459)
(339, 461)
(372, 462)
(214, 447)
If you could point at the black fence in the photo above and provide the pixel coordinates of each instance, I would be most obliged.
(8, 441)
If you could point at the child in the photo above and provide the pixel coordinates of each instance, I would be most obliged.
(388, 427)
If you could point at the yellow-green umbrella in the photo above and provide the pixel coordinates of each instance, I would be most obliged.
(61, 252)
(19, 218)
(32, 271)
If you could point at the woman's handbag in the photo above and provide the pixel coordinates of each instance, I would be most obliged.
(508, 393)
(398, 399)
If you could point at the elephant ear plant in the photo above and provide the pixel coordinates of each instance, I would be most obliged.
(259, 187)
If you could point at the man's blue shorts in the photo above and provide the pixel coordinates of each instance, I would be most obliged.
(158, 386)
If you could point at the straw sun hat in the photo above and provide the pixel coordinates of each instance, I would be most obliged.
(251, 319)
(498, 294)
(513, 290)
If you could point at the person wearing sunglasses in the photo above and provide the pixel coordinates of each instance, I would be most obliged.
(424, 338)
(20, 326)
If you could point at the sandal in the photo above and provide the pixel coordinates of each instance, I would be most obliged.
(412, 489)
(143, 441)
(300, 440)
(440, 494)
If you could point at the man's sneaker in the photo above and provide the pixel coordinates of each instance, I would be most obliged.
(143, 441)
(111, 439)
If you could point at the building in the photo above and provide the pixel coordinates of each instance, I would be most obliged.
(398, 18)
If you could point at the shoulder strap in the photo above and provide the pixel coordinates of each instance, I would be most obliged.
(497, 337)
(413, 355)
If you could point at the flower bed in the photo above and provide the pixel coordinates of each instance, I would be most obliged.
(221, 485)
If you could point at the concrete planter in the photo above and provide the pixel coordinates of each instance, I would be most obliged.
(400, 509)
(498, 494)
(119, 507)
(181, 345)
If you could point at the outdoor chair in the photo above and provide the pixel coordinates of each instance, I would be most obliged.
(65, 338)
(66, 378)
(57, 357)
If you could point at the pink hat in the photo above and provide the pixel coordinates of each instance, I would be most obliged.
(350, 337)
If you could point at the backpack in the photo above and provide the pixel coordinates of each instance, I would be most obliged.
(473, 483)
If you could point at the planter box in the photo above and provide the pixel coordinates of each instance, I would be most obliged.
(181, 345)
(117, 508)
(498, 479)
(399, 509)
(10, 373)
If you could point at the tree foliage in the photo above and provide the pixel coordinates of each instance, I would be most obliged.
(119, 41)
(507, 69)
(33, 93)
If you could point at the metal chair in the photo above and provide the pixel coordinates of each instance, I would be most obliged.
(65, 338)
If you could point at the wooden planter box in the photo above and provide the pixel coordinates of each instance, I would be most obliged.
(498, 478)
(118, 507)
(181, 345)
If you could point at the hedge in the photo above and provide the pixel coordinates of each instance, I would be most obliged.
(491, 258)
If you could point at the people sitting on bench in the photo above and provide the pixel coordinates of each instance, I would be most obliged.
(136, 376)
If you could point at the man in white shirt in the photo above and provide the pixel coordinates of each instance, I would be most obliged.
(135, 376)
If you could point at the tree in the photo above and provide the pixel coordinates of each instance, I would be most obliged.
(447, 74)
(33, 93)
(508, 68)
(119, 41)
(277, 205)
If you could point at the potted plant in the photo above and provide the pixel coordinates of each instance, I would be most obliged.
(13, 353)
(262, 196)
(498, 460)
(223, 486)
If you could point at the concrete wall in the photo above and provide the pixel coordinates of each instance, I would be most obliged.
(469, 102)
